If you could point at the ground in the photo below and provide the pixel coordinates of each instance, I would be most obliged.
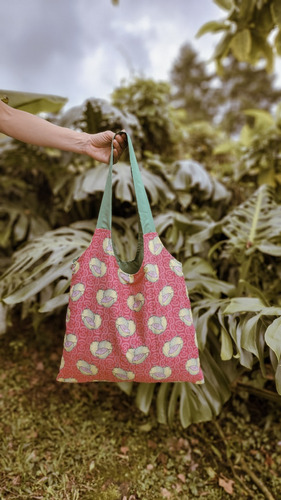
(89, 442)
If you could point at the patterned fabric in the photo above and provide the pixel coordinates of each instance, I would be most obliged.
(129, 320)
(123, 327)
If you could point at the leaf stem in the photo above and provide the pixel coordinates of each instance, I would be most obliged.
(256, 217)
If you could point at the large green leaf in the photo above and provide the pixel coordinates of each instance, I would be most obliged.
(144, 396)
(224, 4)
(244, 304)
(226, 342)
(58, 301)
(203, 312)
(41, 262)
(44, 260)
(162, 402)
(235, 329)
(250, 334)
(211, 26)
(122, 183)
(93, 180)
(273, 337)
(275, 7)
(253, 223)
(201, 277)
(197, 403)
(190, 175)
(18, 222)
(34, 103)
(278, 378)
(263, 119)
(241, 44)
(96, 115)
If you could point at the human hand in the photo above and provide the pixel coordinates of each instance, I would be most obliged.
(98, 146)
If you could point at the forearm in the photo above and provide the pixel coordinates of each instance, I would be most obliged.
(34, 130)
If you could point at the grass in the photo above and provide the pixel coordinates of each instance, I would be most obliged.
(89, 442)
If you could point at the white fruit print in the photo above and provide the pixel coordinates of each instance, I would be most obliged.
(166, 295)
(123, 374)
(138, 355)
(70, 342)
(151, 272)
(173, 347)
(106, 298)
(75, 267)
(101, 349)
(176, 267)
(193, 366)
(76, 291)
(86, 368)
(125, 278)
(155, 246)
(91, 320)
(160, 372)
(107, 246)
(186, 316)
(62, 363)
(67, 318)
(157, 324)
(135, 302)
(97, 267)
(125, 327)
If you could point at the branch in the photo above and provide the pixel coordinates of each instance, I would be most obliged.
(256, 480)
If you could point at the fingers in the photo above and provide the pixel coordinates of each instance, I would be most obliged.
(119, 145)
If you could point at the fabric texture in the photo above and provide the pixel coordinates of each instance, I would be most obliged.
(129, 326)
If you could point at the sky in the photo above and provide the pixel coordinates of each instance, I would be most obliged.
(86, 48)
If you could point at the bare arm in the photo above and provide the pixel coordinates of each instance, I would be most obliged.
(34, 130)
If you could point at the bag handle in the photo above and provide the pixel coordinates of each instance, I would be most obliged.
(143, 207)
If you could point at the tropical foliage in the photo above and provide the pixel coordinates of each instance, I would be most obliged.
(220, 218)
(247, 31)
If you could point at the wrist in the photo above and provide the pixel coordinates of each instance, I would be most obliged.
(77, 142)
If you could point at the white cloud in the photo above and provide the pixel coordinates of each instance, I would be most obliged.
(84, 48)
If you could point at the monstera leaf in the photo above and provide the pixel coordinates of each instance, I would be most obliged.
(42, 262)
(18, 223)
(47, 260)
(196, 403)
(96, 115)
(255, 225)
(190, 175)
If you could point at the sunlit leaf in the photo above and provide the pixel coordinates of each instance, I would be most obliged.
(244, 304)
(211, 26)
(34, 103)
(224, 4)
(241, 44)
(144, 396)
(273, 337)
(275, 8)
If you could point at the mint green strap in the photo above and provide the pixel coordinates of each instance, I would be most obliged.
(145, 215)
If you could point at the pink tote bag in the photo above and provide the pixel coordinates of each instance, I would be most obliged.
(129, 321)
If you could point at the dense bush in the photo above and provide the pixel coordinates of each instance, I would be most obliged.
(220, 218)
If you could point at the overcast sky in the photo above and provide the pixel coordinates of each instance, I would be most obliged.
(84, 48)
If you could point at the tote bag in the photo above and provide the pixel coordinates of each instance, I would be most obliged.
(129, 321)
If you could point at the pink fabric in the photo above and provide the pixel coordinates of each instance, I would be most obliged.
(122, 327)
